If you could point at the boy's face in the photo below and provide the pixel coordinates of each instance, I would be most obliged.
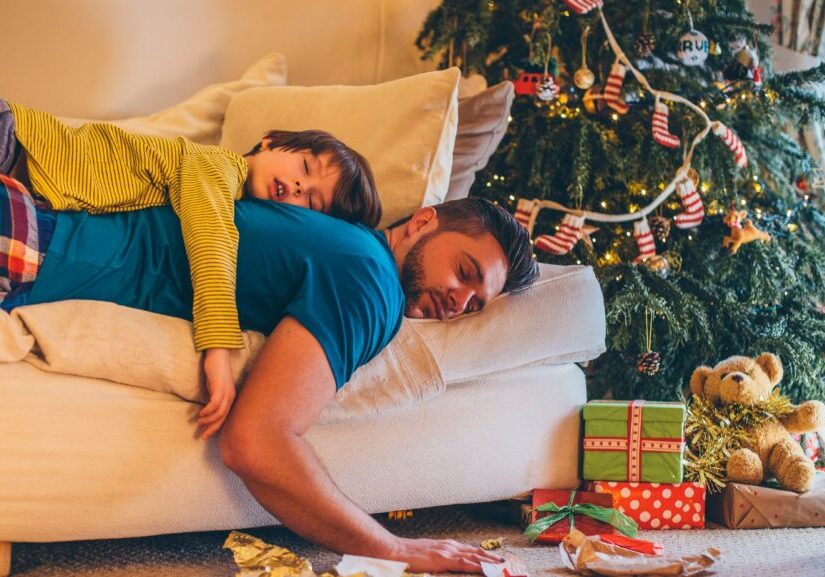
(299, 178)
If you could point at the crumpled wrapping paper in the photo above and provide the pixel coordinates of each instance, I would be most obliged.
(590, 556)
(257, 558)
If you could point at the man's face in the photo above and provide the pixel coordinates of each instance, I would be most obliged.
(446, 274)
(299, 178)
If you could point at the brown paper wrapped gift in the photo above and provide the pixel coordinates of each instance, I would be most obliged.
(752, 507)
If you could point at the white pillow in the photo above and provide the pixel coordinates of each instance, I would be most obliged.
(405, 128)
(200, 117)
(560, 319)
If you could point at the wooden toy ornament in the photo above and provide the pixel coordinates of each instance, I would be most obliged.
(742, 230)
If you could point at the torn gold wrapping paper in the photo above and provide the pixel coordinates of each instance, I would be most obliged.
(590, 556)
(256, 558)
(490, 544)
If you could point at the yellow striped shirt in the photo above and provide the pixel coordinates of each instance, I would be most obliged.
(101, 168)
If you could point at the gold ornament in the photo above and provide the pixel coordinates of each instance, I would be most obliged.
(584, 78)
(714, 49)
(658, 263)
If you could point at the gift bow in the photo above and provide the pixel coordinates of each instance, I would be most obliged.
(622, 522)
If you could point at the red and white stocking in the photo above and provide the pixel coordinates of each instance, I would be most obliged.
(661, 132)
(524, 212)
(613, 88)
(583, 6)
(694, 208)
(733, 143)
(569, 233)
(644, 240)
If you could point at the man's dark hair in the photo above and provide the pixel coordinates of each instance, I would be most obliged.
(475, 216)
(355, 198)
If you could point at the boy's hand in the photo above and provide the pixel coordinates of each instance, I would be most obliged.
(221, 387)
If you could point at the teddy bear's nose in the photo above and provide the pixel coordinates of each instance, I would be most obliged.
(738, 378)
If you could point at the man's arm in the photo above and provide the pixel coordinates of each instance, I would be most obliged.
(263, 443)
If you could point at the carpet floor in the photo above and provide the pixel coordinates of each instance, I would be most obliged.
(745, 553)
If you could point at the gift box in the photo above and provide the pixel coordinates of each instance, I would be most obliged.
(633, 441)
(753, 507)
(657, 505)
(591, 513)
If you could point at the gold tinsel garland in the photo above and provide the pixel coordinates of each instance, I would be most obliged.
(713, 432)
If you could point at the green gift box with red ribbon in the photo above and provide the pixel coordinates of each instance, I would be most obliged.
(634, 441)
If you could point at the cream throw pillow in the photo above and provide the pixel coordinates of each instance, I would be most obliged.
(200, 117)
(405, 128)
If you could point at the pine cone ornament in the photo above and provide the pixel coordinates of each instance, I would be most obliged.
(548, 90)
(648, 363)
(660, 227)
(645, 44)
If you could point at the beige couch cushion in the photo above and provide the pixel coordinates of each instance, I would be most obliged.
(200, 117)
(133, 347)
(405, 128)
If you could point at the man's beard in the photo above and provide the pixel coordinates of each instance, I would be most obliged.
(412, 272)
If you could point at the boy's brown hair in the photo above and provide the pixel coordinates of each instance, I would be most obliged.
(355, 198)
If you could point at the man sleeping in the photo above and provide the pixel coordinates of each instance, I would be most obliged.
(329, 294)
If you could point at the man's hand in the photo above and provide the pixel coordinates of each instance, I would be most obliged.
(442, 555)
(221, 387)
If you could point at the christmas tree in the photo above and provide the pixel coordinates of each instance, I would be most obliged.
(648, 140)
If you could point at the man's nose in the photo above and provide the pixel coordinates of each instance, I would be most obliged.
(459, 299)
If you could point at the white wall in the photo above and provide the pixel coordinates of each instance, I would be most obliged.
(113, 58)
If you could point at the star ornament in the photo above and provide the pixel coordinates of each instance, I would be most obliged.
(587, 230)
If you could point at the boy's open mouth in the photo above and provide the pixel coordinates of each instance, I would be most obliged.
(278, 190)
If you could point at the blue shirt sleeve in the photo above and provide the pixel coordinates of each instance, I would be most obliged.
(353, 309)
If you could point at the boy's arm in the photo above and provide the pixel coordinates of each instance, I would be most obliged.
(204, 200)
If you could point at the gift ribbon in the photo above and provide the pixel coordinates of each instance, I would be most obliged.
(620, 521)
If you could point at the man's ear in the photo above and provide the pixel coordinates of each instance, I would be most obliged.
(698, 379)
(772, 366)
(424, 220)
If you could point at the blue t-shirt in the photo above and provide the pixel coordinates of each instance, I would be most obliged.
(337, 279)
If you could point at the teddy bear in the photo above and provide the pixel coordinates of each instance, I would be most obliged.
(772, 450)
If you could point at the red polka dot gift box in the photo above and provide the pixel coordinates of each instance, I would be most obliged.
(633, 441)
(657, 505)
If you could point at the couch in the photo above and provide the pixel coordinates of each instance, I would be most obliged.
(103, 449)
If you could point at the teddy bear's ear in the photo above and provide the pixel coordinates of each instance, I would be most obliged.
(772, 366)
(697, 380)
